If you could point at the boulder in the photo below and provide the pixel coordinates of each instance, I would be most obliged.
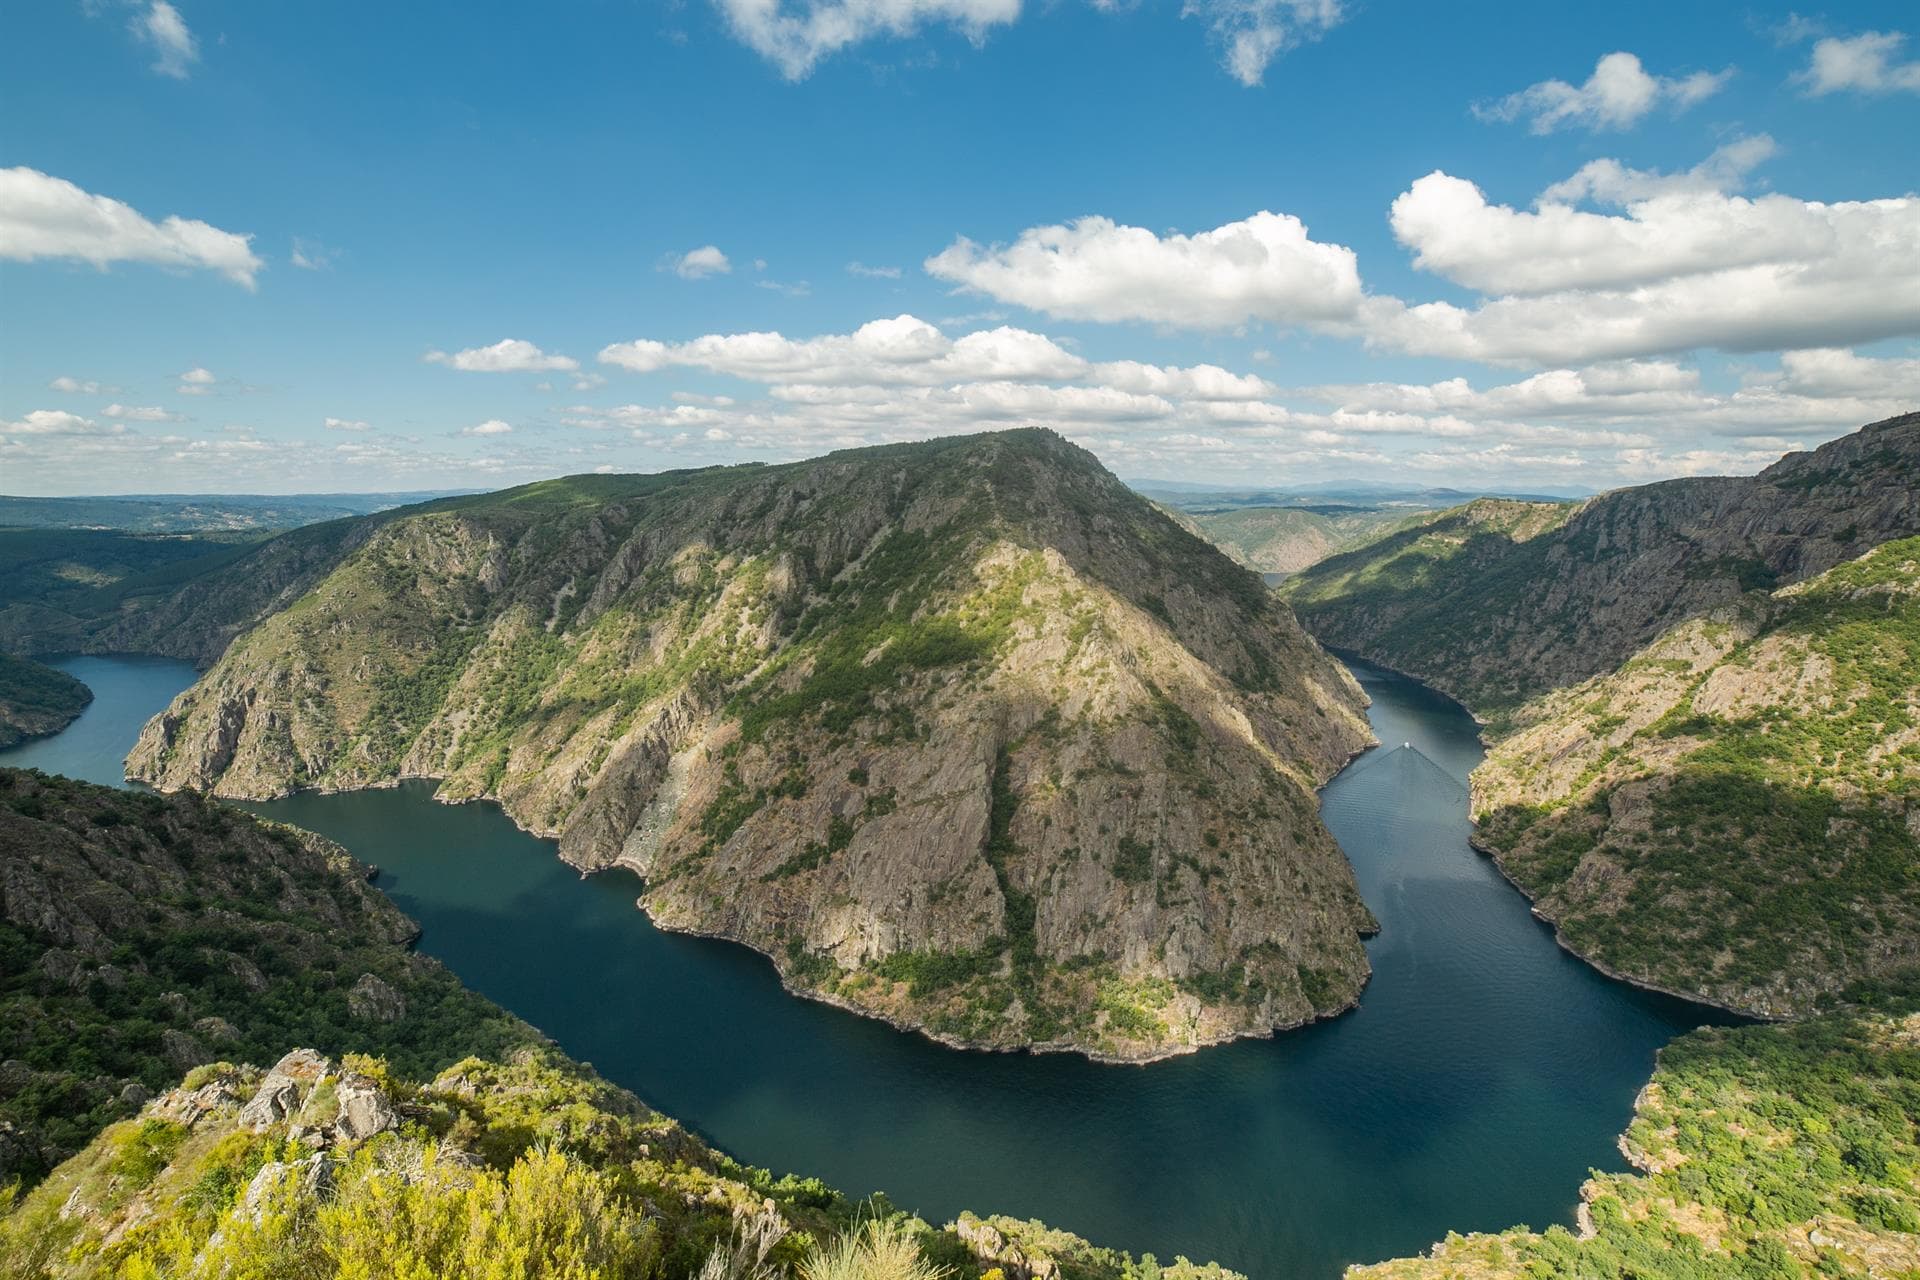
(374, 1000)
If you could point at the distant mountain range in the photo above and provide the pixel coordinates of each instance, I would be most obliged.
(199, 512)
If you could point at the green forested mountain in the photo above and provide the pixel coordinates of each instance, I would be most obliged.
(1702, 701)
(963, 734)
(433, 1135)
(1735, 811)
(1498, 601)
(36, 699)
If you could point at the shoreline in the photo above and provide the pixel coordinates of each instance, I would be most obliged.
(1162, 1054)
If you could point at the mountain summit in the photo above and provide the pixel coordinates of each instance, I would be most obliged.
(962, 734)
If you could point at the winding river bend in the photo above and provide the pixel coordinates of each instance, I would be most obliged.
(1483, 1074)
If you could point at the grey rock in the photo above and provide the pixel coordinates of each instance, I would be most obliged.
(374, 1000)
(182, 1051)
(364, 1110)
(285, 1087)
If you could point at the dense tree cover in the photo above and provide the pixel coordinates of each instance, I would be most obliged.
(36, 699)
(1758, 841)
(1774, 1152)
(139, 934)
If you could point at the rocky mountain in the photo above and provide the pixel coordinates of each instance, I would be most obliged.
(36, 700)
(435, 1136)
(962, 734)
(1756, 1151)
(143, 935)
(1498, 601)
(1733, 813)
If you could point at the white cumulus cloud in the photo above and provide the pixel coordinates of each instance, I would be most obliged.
(795, 35)
(1866, 63)
(161, 27)
(509, 355)
(140, 413)
(347, 424)
(1265, 267)
(1679, 268)
(42, 216)
(1618, 94)
(1252, 33)
(698, 264)
(491, 427)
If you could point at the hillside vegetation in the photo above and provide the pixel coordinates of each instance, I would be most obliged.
(1735, 812)
(963, 734)
(436, 1138)
(1500, 601)
(36, 700)
(141, 936)
(1763, 1153)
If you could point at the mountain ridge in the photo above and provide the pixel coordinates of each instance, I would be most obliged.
(962, 734)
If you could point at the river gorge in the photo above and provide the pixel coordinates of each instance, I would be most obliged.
(1484, 1072)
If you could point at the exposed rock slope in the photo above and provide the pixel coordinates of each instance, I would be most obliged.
(1735, 812)
(1498, 601)
(963, 734)
(139, 934)
(37, 700)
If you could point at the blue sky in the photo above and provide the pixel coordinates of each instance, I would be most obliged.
(1547, 246)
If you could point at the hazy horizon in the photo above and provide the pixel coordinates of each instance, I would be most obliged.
(353, 250)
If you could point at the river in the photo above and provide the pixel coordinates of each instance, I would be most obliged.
(1485, 1071)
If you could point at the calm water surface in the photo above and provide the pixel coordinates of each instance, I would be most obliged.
(1484, 1073)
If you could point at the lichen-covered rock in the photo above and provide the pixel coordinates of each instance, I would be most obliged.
(364, 1110)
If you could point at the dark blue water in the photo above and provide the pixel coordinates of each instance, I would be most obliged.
(1483, 1074)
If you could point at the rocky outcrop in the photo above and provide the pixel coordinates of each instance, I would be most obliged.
(1499, 601)
(965, 735)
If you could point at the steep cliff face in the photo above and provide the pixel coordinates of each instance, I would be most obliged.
(431, 1134)
(963, 734)
(1735, 812)
(1498, 601)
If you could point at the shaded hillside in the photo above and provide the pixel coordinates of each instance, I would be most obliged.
(36, 700)
(436, 1136)
(142, 935)
(1735, 812)
(1779, 1152)
(964, 734)
(1498, 601)
(182, 595)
